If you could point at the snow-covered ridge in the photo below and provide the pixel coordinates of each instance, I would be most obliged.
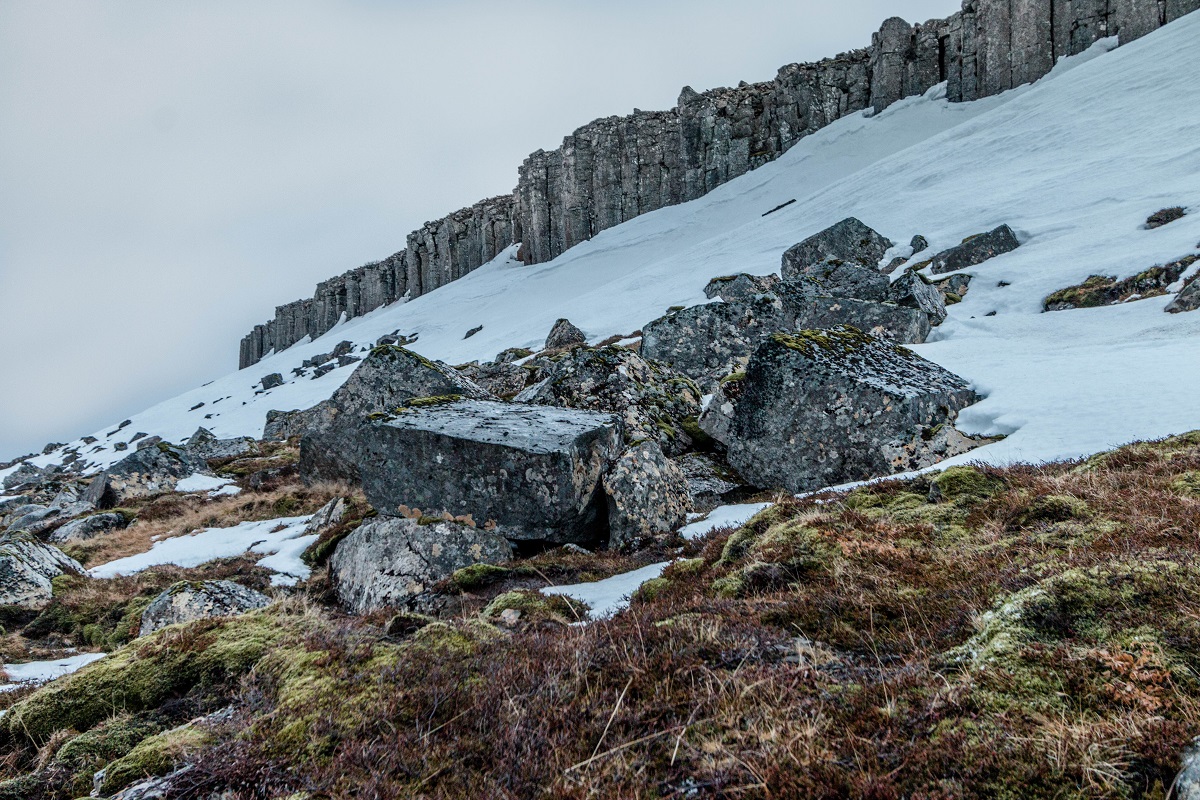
(1074, 164)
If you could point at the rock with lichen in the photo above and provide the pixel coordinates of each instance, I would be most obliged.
(564, 334)
(205, 445)
(647, 497)
(144, 472)
(27, 568)
(501, 378)
(975, 250)
(654, 401)
(390, 377)
(388, 561)
(533, 470)
(849, 241)
(824, 407)
(188, 601)
(1188, 298)
(740, 287)
(914, 290)
(835, 278)
(711, 482)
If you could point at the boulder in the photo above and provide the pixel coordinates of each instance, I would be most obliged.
(711, 482)
(284, 425)
(976, 250)
(271, 381)
(647, 497)
(389, 378)
(918, 244)
(821, 408)
(188, 601)
(1164, 217)
(842, 279)
(388, 560)
(849, 241)
(533, 470)
(953, 288)
(913, 290)
(1187, 300)
(205, 446)
(708, 342)
(564, 334)
(502, 379)
(1187, 782)
(327, 516)
(24, 474)
(89, 527)
(42, 518)
(884, 320)
(145, 472)
(655, 402)
(27, 568)
(740, 287)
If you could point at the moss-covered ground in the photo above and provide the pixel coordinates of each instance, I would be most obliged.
(1031, 632)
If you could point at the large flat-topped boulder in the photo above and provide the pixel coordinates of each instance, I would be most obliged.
(533, 470)
(387, 561)
(821, 408)
(975, 250)
(849, 241)
(389, 378)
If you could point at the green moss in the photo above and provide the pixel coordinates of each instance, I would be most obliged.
(154, 756)
(686, 566)
(651, 590)
(535, 606)
(841, 341)
(396, 351)
(729, 586)
(691, 426)
(477, 576)
(796, 546)
(957, 483)
(672, 309)
(1187, 483)
(438, 400)
(112, 739)
(950, 299)
(733, 377)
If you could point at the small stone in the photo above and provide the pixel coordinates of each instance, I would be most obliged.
(473, 331)
(509, 617)
(913, 290)
(272, 380)
(564, 334)
(84, 528)
(1164, 217)
(918, 244)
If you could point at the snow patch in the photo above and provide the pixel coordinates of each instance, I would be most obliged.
(35, 672)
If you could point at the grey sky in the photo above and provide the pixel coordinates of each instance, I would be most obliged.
(170, 172)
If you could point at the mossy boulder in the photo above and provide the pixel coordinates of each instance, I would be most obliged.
(85, 754)
(154, 757)
(964, 483)
(537, 607)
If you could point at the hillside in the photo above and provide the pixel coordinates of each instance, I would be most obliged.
(903, 504)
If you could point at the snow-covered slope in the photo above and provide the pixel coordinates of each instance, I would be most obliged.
(1074, 163)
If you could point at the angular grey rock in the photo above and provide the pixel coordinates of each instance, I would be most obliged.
(1188, 298)
(149, 441)
(205, 446)
(512, 354)
(647, 497)
(10, 504)
(533, 470)
(188, 601)
(975, 250)
(343, 348)
(390, 377)
(884, 320)
(27, 568)
(84, 528)
(848, 241)
(327, 516)
(654, 401)
(271, 381)
(564, 334)
(502, 379)
(707, 342)
(912, 290)
(953, 288)
(42, 519)
(919, 244)
(740, 287)
(151, 788)
(1187, 782)
(841, 279)
(389, 560)
(142, 473)
(284, 425)
(711, 482)
(24, 474)
(827, 407)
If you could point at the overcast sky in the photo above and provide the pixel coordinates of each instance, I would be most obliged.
(170, 172)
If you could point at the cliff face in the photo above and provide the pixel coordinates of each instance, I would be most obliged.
(614, 169)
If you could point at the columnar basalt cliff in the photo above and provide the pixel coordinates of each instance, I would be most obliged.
(616, 168)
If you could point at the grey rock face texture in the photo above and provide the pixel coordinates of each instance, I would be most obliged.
(837, 279)
(976, 250)
(740, 287)
(1188, 299)
(388, 378)
(27, 567)
(502, 379)
(827, 407)
(204, 445)
(653, 400)
(885, 320)
(848, 241)
(616, 168)
(25, 474)
(327, 515)
(188, 602)
(272, 380)
(533, 470)
(389, 560)
(142, 473)
(911, 290)
(564, 334)
(84, 528)
(708, 342)
(710, 482)
(647, 497)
